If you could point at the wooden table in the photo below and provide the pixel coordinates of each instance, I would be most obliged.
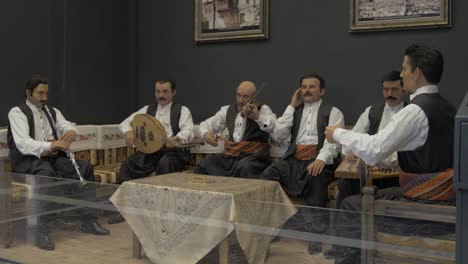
(177, 220)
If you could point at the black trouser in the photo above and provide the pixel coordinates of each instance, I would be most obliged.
(52, 187)
(244, 166)
(140, 165)
(349, 187)
(293, 176)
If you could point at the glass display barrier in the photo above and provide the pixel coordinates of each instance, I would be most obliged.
(189, 218)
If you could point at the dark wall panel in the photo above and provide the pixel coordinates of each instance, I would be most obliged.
(25, 40)
(83, 46)
(305, 36)
(97, 58)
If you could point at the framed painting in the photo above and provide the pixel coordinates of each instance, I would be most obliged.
(368, 15)
(224, 20)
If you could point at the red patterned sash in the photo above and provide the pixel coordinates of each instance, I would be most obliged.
(236, 148)
(428, 186)
(306, 152)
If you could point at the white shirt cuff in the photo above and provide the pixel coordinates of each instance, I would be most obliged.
(45, 147)
(202, 131)
(289, 110)
(182, 138)
(324, 157)
(261, 121)
(338, 134)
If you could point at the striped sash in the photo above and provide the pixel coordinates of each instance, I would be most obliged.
(306, 152)
(236, 148)
(428, 186)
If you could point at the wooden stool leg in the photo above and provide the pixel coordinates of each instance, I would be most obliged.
(367, 224)
(5, 203)
(223, 248)
(136, 246)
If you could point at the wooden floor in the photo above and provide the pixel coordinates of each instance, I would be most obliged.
(73, 247)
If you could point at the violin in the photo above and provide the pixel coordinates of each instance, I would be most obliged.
(252, 103)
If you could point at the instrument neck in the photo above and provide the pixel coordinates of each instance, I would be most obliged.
(52, 123)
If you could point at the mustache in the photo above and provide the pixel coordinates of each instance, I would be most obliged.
(162, 98)
(390, 98)
(307, 93)
(43, 101)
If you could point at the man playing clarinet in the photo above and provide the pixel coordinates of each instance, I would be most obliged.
(38, 139)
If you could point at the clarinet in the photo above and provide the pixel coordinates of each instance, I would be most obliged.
(70, 154)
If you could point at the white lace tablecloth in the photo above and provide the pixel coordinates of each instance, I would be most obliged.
(180, 221)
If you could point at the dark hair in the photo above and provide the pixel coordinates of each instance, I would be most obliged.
(314, 75)
(171, 83)
(429, 60)
(392, 76)
(32, 83)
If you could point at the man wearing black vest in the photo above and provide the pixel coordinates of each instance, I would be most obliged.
(422, 134)
(249, 124)
(35, 148)
(375, 118)
(176, 120)
(309, 163)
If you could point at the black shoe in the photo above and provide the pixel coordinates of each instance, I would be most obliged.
(315, 248)
(116, 220)
(332, 254)
(342, 255)
(93, 227)
(43, 241)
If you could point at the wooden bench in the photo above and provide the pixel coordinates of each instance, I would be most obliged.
(411, 210)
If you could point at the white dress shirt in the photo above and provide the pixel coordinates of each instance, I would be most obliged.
(407, 130)
(266, 122)
(43, 132)
(363, 125)
(163, 115)
(308, 129)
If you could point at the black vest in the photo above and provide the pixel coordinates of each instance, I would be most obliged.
(323, 117)
(176, 110)
(15, 155)
(252, 131)
(437, 152)
(375, 117)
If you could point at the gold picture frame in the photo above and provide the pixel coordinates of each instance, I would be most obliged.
(225, 20)
(374, 15)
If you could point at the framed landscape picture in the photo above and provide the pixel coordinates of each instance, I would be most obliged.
(223, 20)
(366, 15)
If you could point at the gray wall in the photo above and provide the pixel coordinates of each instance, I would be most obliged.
(83, 46)
(98, 63)
(102, 57)
(25, 47)
(305, 36)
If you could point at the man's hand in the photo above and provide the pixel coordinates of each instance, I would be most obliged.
(172, 142)
(208, 137)
(316, 167)
(60, 145)
(68, 136)
(329, 133)
(251, 111)
(129, 138)
(296, 99)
